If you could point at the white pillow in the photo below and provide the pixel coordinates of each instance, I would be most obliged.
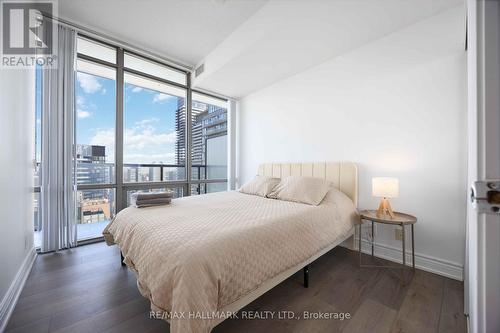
(306, 190)
(260, 185)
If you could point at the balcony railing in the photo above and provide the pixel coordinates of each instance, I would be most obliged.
(103, 173)
(162, 172)
(101, 176)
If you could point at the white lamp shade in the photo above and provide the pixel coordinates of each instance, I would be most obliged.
(385, 187)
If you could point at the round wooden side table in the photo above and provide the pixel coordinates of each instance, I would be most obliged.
(399, 219)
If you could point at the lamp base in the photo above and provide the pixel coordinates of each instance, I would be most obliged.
(385, 209)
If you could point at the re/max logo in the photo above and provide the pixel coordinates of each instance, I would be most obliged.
(25, 30)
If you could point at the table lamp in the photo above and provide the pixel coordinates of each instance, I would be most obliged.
(385, 187)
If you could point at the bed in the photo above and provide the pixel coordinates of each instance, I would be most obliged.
(203, 258)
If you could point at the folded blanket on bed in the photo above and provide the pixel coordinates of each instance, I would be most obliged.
(140, 200)
(152, 195)
(152, 202)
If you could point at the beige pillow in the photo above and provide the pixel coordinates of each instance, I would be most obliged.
(260, 185)
(306, 190)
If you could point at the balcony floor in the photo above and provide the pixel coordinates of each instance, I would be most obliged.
(83, 231)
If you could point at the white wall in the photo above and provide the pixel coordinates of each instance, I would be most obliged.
(17, 113)
(397, 107)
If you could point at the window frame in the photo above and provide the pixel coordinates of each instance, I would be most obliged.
(166, 82)
(121, 187)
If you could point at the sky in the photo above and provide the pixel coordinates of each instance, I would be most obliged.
(149, 120)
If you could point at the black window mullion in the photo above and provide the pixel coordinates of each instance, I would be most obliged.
(120, 195)
(188, 138)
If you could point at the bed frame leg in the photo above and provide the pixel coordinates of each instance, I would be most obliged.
(121, 259)
(306, 276)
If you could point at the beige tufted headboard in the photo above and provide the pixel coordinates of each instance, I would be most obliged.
(344, 175)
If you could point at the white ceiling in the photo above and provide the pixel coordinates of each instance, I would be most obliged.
(247, 45)
(287, 37)
(183, 30)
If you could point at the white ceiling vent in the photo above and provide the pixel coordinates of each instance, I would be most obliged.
(200, 69)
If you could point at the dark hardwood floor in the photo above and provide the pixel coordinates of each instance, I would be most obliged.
(87, 290)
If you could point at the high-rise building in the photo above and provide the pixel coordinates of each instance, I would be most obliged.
(208, 144)
(180, 129)
(208, 122)
(91, 165)
(93, 205)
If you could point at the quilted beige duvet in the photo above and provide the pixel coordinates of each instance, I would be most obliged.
(201, 253)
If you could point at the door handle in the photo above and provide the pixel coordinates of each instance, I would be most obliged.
(485, 196)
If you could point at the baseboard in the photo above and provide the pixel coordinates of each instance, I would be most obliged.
(427, 263)
(350, 243)
(12, 295)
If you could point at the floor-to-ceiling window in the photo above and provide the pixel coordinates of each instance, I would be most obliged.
(95, 101)
(133, 133)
